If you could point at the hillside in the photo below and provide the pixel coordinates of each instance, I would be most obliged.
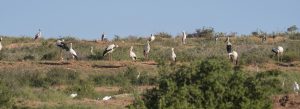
(36, 78)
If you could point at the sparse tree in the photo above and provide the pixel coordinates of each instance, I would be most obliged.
(164, 35)
(207, 32)
(254, 33)
(292, 29)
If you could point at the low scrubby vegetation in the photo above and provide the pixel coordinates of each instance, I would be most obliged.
(211, 84)
(56, 84)
(202, 77)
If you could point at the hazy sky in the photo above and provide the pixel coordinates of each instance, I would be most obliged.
(89, 18)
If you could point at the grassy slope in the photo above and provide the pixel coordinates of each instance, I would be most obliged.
(254, 56)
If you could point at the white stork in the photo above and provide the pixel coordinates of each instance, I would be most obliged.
(73, 95)
(1, 44)
(152, 38)
(296, 87)
(92, 50)
(233, 57)
(102, 36)
(216, 38)
(73, 53)
(146, 49)
(106, 98)
(184, 37)
(60, 43)
(228, 46)
(173, 55)
(38, 35)
(132, 54)
(278, 51)
(109, 50)
(138, 76)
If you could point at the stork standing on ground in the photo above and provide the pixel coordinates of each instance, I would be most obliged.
(73, 53)
(132, 54)
(216, 39)
(73, 95)
(92, 50)
(152, 38)
(278, 51)
(234, 57)
(183, 37)
(138, 76)
(60, 43)
(282, 85)
(38, 35)
(263, 38)
(296, 87)
(1, 44)
(147, 50)
(109, 50)
(173, 55)
(228, 46)
(106, 98)
(102, 36)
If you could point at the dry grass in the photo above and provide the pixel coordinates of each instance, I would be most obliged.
(196, 49)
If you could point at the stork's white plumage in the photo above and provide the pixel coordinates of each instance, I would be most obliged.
(228, 46)
(282, 85)
(234, 57)
(92, 51)
(183, 37)
(1, 44)
(109, 49)
(38, 35)
(173, 55)
(216, 38)
(73, 53)
(60, 43)
(106, 98)
(296, 87)
(138, 76)
(278, 51)
(73, 95)
(132, 54)
(147, 49)
(152, 38)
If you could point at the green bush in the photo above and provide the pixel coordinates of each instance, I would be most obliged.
(83, 89)
(29, 57)
(291, 56)
(129, 76)
(211, 84)
(295, 36)
(254, 56)
(108, 80)
(204, 32)
(49, 56)
(59, 76)
(163, 35)
(36, 79)
(6, 97)
(97, 56)
(2, 56)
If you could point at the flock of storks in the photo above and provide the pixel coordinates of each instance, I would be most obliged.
(233, 55)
